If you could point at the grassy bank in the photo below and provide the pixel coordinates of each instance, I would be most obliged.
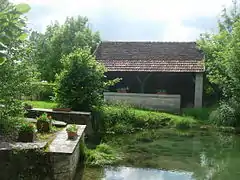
(42, 104)
(125, 120)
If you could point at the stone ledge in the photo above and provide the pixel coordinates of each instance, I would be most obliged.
(55, 123)
(60, 112)
(5, 146)
(61, 144)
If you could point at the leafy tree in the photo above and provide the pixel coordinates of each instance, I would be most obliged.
(80, 86)
(12, 27)
(222, 57)
(60, 40)
(217, 48)
(14, 72)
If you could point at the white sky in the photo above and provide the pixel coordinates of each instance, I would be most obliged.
(155, 20)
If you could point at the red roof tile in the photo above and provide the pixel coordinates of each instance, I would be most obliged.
(150, 56)
(154, 65)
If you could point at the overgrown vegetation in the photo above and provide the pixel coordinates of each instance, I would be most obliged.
(15, 75)
(42, 104)
(81, 84)
(198, 113)
(123, 119)
(59, 40)
(102, 155)
(222, 59)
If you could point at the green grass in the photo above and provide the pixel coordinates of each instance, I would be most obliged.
(198, 113)
(42, 104)
(123, 119)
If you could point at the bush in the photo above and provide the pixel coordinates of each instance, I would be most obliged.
(81, 84)
(227, 114)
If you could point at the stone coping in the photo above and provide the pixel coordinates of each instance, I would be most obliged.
(142, 95)
(55, 123)
(6, 146)
(60, 112)
(61, 143)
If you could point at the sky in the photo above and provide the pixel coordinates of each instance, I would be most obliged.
(133, 20)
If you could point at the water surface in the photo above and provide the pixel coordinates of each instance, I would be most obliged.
(165, 154)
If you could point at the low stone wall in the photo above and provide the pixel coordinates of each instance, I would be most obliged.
(38, 160)
(72, 117)
(168, 102)
(65, 154)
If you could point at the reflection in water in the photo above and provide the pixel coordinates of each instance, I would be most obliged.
(128, 173)
(201, 156)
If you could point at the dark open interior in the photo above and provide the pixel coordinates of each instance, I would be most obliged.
(151, 82)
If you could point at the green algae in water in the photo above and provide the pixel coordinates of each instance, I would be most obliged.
(197, 155)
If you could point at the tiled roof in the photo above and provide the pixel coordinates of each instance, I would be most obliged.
(150, 56)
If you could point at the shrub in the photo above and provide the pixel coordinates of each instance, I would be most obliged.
(80, 86)
(227, 114)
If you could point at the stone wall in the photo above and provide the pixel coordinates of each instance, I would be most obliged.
(168, 102)
(72, 117)
(38, 160)
(65, 155)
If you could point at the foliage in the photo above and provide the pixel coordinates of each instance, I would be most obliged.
(221, 52)
(72, 128)
(12, 30)
(198, 113)
(27, 127)
(222, 57)
(102, 155)
(227, 114)
(14, 73)
(60, 40)
(42, 104)
(41, 91)
(80, 86)
(123, 119)
(44, 117)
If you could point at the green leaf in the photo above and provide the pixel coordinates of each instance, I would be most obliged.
(23, 8)
(2, 60)
(23, 37)
(2, 46)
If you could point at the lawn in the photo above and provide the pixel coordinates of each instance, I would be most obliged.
(42, 104)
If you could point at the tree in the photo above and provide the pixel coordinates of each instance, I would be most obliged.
(80, 86)
(222, 57)
(60, 40)
(12, 29)
(14, 72)
(217, 49)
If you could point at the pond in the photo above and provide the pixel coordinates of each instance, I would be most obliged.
(167, 154)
